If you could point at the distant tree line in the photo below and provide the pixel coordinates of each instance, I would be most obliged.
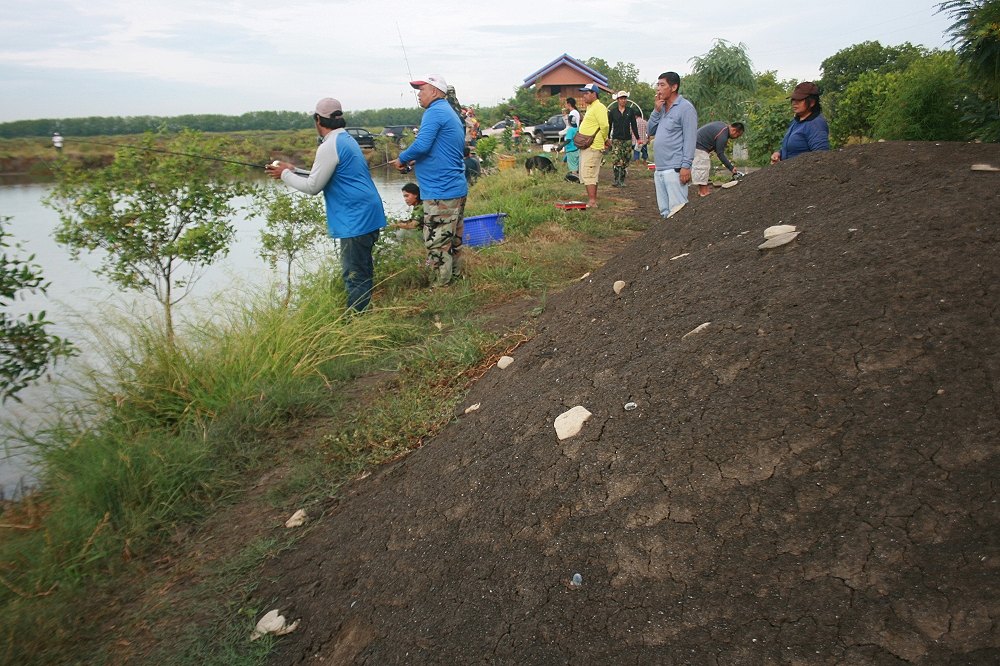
(205, 122)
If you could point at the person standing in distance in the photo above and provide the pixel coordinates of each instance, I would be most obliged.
(674, 127)
(354, 213)
(808, 130)
(438, 154)
(641, 140)
(569, 112)
(595, 124)
(622, 119)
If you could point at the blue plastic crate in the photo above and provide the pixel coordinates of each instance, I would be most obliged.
(483, 229)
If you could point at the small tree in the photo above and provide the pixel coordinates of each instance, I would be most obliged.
(859, 103)
(160, 218)
(27, 349)
(294, 224)
(924, 102)
(976, 34)
(721, 83)
(530, 108)
(507, 138)
(767, 122)
(486, 148)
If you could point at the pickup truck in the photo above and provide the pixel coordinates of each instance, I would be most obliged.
(547, 131)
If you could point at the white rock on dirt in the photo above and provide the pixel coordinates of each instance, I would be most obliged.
(472, 408)
(779, 240)
(732, 183)
(778, 229)
(275, 623)
(618, 286)
(505, 362)
(698, 329)
(571, 422)
(298, 519)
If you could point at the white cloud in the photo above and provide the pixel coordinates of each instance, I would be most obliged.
(241, 55)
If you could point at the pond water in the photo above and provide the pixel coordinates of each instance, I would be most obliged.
(76, 293)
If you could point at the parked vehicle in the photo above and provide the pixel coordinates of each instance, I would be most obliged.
(547, 131)
(364, 138)
(497, 130)
(395, 132)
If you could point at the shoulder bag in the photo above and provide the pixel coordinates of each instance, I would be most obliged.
(582, 141)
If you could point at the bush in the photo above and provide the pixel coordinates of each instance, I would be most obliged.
(924, 103)
(767, 122)
(486, 148)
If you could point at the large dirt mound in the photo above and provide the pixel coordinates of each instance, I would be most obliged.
(809, 479)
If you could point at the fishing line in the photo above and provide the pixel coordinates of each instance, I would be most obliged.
(167, 152)
(405, 59)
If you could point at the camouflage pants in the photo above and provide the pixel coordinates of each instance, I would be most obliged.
(621, 152)
(443, 224)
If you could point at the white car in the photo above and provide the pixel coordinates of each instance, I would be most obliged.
(497, 130)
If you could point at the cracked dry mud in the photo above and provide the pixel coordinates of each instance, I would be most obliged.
(811, 479)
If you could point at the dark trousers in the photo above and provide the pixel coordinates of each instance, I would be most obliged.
(358, 268)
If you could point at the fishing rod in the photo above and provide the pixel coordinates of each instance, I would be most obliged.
(301, 172)
(168, 152)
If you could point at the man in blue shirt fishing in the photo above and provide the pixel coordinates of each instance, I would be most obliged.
(354, 212)
(438, 155)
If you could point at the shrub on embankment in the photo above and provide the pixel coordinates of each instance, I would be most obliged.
(164, 432)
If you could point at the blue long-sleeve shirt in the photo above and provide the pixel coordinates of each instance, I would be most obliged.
(675, 133)
(439, 152)
(340, 172)
(804, 136)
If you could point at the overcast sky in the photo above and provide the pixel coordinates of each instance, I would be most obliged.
(71, 58)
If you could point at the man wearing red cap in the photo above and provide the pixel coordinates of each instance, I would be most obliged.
(808, 131)
(439, 157)
(354, 212)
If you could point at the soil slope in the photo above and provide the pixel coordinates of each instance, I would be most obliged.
(809, 479)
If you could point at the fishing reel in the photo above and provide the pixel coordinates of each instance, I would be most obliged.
(739, 175)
